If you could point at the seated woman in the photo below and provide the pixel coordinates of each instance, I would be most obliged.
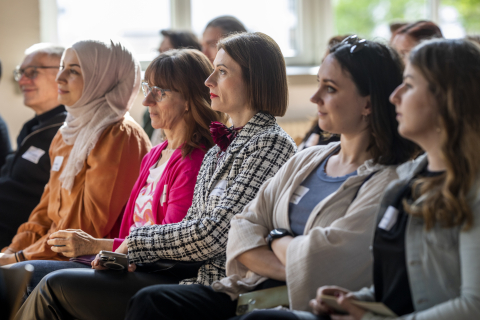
(407, 37)
(95, 156)
(426, 244)
(312, 223)
(249, 83)
(164, 189)
(171, 40)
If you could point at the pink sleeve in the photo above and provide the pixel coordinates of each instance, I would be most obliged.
(116, 243)
(180, 196)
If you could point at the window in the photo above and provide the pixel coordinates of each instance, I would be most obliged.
(300, 27)
(371, 18)
(256, 15)
(137, 23)
(459, 17)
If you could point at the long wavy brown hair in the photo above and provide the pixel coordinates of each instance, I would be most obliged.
(185, 71)
(452, 69)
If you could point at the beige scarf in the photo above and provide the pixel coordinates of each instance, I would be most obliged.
(111, 78)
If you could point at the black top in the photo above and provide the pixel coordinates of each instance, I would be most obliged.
(5, 147)
(390, 274)
(22, 181)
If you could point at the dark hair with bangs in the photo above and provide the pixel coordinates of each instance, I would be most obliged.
(185, 71)
(376, 71)
(263, 70)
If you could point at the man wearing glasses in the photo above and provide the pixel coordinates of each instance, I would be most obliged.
(26, 171)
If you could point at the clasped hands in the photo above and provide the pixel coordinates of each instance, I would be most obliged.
(344, 298)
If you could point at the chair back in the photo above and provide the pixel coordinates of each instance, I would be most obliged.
(16, 281)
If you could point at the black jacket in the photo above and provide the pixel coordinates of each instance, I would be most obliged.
(5, 147)
(22, 181)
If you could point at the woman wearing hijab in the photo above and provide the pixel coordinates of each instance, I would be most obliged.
(95, 156)
(179, 103)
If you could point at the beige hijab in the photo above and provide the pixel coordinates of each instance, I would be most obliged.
(111, 82)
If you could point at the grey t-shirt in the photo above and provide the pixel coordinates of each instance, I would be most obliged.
(316, 187)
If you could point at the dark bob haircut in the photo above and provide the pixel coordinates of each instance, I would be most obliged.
(263, 70)
(228, 24)
(376, 71)
(182, 39)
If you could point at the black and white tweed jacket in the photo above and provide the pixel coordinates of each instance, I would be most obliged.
(222, 190)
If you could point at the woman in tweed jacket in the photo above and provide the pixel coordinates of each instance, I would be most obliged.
(248, 83)
(314, 219)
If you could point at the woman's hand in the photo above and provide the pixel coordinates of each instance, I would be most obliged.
(318, 306)
(7, 258)
(354, 312)
(73, 243)
(123, 248)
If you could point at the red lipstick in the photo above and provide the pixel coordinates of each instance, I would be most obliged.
(213, 95)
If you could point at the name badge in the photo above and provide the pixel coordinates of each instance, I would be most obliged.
(57, 163)
(33, 154)
(219, 188)
(389, 218)
(298, 194)
(163, 198)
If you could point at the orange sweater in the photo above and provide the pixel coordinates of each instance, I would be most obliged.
(100, 191)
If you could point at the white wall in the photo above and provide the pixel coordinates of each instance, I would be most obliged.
(20, 28)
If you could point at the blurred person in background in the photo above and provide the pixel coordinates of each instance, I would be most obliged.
(217, 29)
(5, 147)
(26, 171)
(171, 40)
(410, 35)
(394, 26)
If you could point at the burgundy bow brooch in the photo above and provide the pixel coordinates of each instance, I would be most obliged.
(222, 135)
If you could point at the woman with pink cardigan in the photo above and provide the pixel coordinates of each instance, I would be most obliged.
(179, 103)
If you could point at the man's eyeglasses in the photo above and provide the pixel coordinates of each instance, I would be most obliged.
(355, 43)
(157, 92)
(29, 72)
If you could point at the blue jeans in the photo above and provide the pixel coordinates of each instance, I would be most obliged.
(44, 267)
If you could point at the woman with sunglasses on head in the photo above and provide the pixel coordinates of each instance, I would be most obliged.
(95, 155)
(164, 189)
(426, 247)
(249, 83)
(312, 223)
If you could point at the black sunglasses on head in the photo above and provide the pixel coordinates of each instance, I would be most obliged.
(356, 44)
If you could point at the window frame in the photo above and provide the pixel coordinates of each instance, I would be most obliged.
(315, 27)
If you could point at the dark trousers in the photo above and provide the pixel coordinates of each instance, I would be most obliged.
(179, 302)
(186, 302)
(86, 294)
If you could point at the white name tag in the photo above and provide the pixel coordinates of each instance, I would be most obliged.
(57, 163)
(163, 198)
(298, 194)
(33, 154)
(389, 219)
(219, 188)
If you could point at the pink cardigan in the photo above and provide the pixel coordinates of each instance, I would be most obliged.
(180, 176)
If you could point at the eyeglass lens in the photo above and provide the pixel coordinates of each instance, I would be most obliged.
(156, 93)
(29, 72)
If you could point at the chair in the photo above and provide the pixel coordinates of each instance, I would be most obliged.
(16, 281)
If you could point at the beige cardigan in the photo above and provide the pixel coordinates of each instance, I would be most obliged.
(334, 249)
